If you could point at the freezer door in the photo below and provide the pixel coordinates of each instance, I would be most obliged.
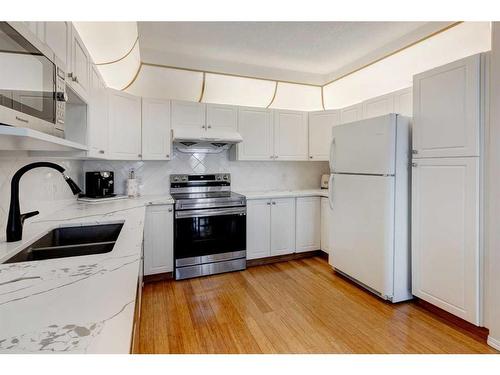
(362, 229)
(367, 146)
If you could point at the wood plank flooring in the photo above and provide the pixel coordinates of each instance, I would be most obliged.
(299, 306)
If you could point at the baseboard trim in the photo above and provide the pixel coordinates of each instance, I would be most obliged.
(285, 258)
(494, 343)
(478, 333)
(158, 277)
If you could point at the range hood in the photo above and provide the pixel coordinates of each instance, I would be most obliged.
(200, 140)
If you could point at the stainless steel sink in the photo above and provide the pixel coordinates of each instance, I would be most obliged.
(71, 242)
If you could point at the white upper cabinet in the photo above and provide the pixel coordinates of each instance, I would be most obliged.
(446, 116)
(445, 234)
(290, 135)
(78, 71)
(403, 102)
(308, 224)
(351, 113)
(56, 37)
(378, 106)
(258, 228)
(255, 126)
(156, 142)
(222, 117)
(97, 127)
(282, 226)
(124, 125)
(188, 114)
(320, 133)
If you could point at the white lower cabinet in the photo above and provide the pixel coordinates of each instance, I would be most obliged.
(270, 227)
(326, 212)
(258, 228)
(282, 226)
(308, 224)
(159, 240)
(445, 234)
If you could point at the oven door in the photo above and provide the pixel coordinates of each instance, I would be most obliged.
(27, 82)
(205, 232)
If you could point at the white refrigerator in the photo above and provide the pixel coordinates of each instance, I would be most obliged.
(369, 200)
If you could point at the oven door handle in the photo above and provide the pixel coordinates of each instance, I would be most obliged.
(211, 212)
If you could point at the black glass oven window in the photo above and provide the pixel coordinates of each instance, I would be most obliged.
(209, 235)
(26, 76)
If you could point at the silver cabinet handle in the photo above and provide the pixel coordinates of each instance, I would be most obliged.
(271, 157)
(414, 152)
(310, 157)
(414, 165)
(276, 156)
(101, 151)
(167, 155)
(73, 77)
(274, 203)
(169, 210)
(210, 126)
(139, 155)
(203, 127)
(268, 203)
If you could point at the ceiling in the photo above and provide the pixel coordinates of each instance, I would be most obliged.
(308, 52)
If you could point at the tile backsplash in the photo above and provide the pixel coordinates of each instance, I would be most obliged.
(41, 189)
(245, 175)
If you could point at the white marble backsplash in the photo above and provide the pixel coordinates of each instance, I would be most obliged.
(153, 176)
(41, 189)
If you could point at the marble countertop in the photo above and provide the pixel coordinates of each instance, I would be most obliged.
(284, 193)
(74, 305)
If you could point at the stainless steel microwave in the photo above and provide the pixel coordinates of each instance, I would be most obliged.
(32, 86)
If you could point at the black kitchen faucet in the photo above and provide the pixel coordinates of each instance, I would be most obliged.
(16, 219)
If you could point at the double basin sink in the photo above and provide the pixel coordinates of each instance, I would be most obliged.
(71, 242)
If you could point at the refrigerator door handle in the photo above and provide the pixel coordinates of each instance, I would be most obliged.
(330, 191)
(331, 153)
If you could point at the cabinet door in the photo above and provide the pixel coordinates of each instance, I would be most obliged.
(446, 114)
(403, 102)
(290, 135)
(320, 133)
(156, 144)
(445, 239)
(379, 106)
(308, 224)
(80, 63)
(258, 228)
(282, 226)
(351, 113)
(97, 129)
(222, 117)
(159, 240)
(188, 114)
(124, 126)
(325, 225)
(56, 37)
(256, 128)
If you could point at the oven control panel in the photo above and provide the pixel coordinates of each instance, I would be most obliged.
(200, 178)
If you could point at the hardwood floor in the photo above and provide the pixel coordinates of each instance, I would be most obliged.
(299, 306)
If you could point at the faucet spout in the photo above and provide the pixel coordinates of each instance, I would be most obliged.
(15, 221)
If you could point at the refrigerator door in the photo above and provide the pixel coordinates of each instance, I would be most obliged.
(365, 147)
(362, 229)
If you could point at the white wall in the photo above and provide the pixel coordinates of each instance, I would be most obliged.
(245, 175)
(492, 196)
(41, 189)
(396, 72)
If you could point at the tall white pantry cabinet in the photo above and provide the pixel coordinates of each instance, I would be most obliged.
(448, 124)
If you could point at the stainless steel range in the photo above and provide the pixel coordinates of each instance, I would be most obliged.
(209, 225)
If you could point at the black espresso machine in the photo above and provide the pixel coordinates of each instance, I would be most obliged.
(99, 184)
